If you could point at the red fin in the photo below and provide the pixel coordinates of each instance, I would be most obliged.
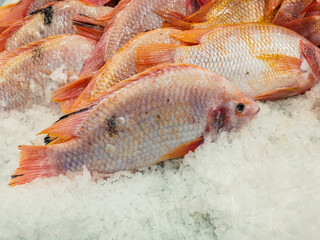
(278, 93)
(5, 35)
(182, 150)
(68, 126)
(191, 36)
(34, 163)
(289, 11)
(201, 14)
(173, 19)
(67, 94)
(14, 12)
(87, 27)
(95, 2)
(308, 27)
(313, 9)
(121, 5)
(153, 54)
(312, 54)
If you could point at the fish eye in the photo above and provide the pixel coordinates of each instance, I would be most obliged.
(240, 107)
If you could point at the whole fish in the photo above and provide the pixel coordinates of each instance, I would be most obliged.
(120, 67)
(128, 19)
(290, 10)
(53, 19)
(265, 61)
(13, 12)
(160, 114)
(29, 74)
(222, 12)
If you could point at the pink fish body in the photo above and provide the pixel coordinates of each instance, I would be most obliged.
(156, 115)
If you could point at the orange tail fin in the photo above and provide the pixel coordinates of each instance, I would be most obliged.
(34, 163)
(153, 54)
(96, 2)
(88, 27)
(68, 94)
(308, 27)
(11, 13)
(174, 20)
(313, 9)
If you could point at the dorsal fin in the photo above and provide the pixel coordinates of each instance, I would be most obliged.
(121, 5)
(110, 91)
(201, 14)
(67, 126)
(5, 35)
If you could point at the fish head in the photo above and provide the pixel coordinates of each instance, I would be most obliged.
(230, 111)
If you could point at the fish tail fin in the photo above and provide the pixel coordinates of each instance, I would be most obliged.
(34, 163)
(121, 5)
(88, 27)
(5, 35)
(308, 27)
(95, 2)
(312, 55)
(153, 54)
(312, 9)
(68, 94)
(14, 12)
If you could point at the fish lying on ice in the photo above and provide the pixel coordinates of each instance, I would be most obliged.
(128, 19)
(26, 73)
(120, 67)
(160, 114)
(53, 19)
(265, 61)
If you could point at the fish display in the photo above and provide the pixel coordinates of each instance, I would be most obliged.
(53, 19)
(265, 61)
(215, 13)
(128, 19)
(120, 67)
(26, 73)
(159, 114)
(137, 93)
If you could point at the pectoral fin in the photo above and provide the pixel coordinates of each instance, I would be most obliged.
(182, 150)
(278, 93)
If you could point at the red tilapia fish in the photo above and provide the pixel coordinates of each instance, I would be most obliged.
(308, 26)
(289, 10)
(29, 74)
(53, 19)
(120, 67)
(160, 114)
(215, 13)
(16, 11)
(128, 19)
(265, 61)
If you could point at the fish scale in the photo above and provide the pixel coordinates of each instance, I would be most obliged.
(142, 120)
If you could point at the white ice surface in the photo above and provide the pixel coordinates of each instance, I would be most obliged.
(261, 183)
